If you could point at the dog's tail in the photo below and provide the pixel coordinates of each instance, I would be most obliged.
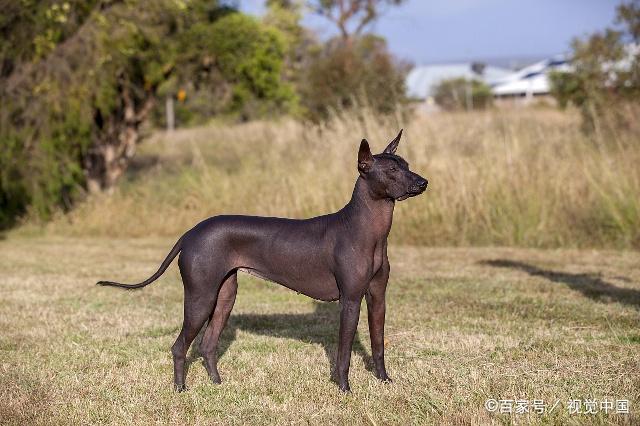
(165, 264)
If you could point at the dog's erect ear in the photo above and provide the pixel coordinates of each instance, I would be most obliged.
(393, 145)
(365, 158)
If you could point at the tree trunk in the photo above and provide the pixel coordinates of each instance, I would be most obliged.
(115, 143)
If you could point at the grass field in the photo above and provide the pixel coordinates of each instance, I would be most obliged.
(521, 177)
(464, 325)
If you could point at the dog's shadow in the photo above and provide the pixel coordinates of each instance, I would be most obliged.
(591, 285)
(318, 327)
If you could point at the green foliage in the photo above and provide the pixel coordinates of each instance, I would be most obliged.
(13, 191)
(567, 89)
(251, 57)
(62, 105)
(285, 15)
(79, 77)
(30, 29)
(460, 93)
(343, 75)
(233, 66)
(606, 72)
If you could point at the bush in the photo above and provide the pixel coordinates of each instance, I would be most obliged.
(249, 56)
(73, 100)
(460, 93)
(349, 73)
(605, 75)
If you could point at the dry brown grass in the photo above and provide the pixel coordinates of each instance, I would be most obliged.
(521, 177)
(463, 325)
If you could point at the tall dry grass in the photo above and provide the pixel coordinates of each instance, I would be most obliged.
(524, 177)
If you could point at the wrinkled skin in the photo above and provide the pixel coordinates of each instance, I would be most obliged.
(340, 256)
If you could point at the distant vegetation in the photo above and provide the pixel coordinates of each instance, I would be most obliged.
(516, 178)
(280, 113)
(462, 94)
(342, 76)
(605, 81)
(78, 79)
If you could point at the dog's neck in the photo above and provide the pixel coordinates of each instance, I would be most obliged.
(366, 210)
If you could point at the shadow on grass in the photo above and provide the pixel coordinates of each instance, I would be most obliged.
(591, 285)
(318, 327)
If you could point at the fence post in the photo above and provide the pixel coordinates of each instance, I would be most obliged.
(171, 117)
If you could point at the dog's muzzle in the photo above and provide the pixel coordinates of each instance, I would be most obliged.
(417, 188)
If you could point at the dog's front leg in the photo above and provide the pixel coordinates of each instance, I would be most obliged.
(349, 316)
(375, 297)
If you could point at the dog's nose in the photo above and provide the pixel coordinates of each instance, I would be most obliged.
(422, 183)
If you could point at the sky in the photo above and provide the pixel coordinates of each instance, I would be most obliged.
(432, 31)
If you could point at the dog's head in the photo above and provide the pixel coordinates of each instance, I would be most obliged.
(387, 174)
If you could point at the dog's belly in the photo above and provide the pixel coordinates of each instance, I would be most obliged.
(294, 253)
(320, 288)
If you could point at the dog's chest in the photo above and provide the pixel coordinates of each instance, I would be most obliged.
(378, 256)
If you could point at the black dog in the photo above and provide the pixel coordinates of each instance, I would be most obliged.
(340, 256)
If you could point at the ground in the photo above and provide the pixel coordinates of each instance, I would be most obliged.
(464, 326)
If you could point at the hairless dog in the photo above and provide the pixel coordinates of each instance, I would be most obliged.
(340, 256)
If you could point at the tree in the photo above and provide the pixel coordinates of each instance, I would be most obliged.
(246, 66)
(345, 75)
(28, 31)
(606, 70)
(301, 44)
(351, 16)
(352, 69)
(75, 93)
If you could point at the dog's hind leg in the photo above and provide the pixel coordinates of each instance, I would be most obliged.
(217, 322)
(200, 291)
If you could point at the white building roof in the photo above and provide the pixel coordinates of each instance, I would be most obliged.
(536, 85)
(530, 80)
(422, 80)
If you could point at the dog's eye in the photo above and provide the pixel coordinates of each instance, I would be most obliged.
(392, 169)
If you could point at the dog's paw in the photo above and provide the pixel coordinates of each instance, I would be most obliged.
(344, 387)
(180, 388)
(384, 378)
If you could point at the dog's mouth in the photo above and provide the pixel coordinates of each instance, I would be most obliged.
(412, 192)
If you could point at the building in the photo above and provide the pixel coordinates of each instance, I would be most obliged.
(529, 82)
(532, 82)
(508, 86)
